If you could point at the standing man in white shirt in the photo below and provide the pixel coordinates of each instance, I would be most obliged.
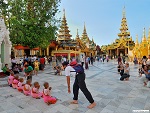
(82, 60)
(78, 83)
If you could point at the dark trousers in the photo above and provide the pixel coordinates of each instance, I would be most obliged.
(124, 76)
(80, 83)
(121, 72)
(82, 63)
(7, 73)
(29, 77)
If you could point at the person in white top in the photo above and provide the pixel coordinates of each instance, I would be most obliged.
(126, 73)
(82, 60)
(78, 83)
(148, 60)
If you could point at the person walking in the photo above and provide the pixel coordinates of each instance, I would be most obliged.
(78, 83)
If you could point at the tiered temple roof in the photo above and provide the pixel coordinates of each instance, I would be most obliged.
(64, 36)
(85, 39)
(143, 48)
(124, 39)
(124, 27)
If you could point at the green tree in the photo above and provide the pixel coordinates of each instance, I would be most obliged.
(31, 22)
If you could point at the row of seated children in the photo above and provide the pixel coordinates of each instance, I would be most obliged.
(16, 83)
(124, 71)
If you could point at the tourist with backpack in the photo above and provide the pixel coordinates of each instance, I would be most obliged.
(78, 71)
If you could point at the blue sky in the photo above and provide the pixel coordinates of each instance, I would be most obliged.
(103, 18)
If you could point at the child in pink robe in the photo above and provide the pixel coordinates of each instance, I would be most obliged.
(15, 82)
(47, 96)
(20, 85)
(27, 88)
(35, 91)
(10, 79)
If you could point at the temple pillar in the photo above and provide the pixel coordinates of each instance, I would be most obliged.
(40, 52)
(7, 54)
(0, 58)
(47, 51)
(125, 51)
(69, 56)
(117, 52)
(110, 53)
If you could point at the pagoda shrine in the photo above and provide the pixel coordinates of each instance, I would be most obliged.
(66, 46)
(143, 48)
(73, 47)
(124, 44)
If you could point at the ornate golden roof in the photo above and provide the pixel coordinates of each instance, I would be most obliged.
(124, 27)
(64, 31)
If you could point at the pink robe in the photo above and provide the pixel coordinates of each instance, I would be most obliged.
(27, 89)
(20, 87)
(47, 97)
(35, 93)
(15, 83)
(10, 80)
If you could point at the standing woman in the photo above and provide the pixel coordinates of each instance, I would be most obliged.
(86, 62)
(53, 62)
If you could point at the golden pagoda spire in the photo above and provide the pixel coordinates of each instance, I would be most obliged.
(136, 43)
(84, 31)
(77, 36)
(124, 12)
(149, 34)
(124, 33)
(64, 15)
(144, 35)
(84, 34)
(63, 31)
(92, 39)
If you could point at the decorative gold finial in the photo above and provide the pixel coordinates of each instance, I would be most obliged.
(77, 33)
(92, 39)
(137, 39)
(149, 33)
(124, 12)
(64, 12)
(144, 32)
(84, 28)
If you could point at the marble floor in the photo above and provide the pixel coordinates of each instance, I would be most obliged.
(102, 79)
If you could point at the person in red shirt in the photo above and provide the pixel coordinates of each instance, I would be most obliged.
(42, 63)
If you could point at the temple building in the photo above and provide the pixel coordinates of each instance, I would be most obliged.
(143, 48)
(68, 47)
(124, 44)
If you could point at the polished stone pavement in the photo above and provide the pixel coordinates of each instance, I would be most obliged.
(110, 94)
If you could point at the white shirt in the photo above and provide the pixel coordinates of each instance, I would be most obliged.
(67, 71)
(127, 70)
(47, 92)
(148, 62)
(82, 59)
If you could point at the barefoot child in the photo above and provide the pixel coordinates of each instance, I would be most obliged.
(27, 88)
(35, 91)
(15, 82)
(10, 79)
(36, 66)
(20, 85)
(47, 96)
